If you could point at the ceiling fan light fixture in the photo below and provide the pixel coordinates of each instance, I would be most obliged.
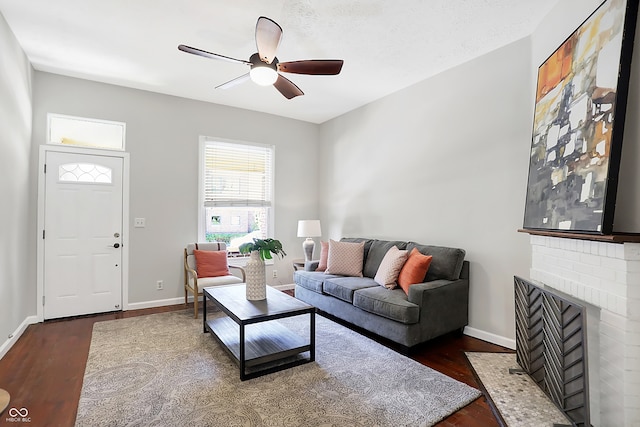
(263, 76)
(265, 67)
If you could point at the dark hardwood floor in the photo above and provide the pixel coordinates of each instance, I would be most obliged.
(43, 371)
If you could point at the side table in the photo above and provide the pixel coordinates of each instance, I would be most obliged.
(298, 264)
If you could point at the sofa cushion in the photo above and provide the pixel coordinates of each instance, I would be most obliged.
(312, 280)
(377, 251)
(392, 304)
(345, 258)
(387, 274)
(344, 287)
(446, 263)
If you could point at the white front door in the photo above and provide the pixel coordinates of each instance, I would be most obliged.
(82, 234)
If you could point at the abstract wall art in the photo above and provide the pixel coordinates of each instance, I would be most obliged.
(580, 109)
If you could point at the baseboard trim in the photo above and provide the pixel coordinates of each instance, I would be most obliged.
(492, 338)
(180, 300)
(15, 336)
(156, 303)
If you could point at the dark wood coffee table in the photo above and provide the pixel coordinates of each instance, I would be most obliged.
(250, 333)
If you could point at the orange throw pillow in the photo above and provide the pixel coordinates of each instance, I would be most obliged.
(414, 270)
(211, 263)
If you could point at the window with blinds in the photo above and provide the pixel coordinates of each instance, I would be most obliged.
(237, 174)
(236, 192)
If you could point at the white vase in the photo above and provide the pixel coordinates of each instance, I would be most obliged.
(256, 279)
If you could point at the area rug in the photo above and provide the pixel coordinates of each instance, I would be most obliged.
(516, 397)
(161, 370)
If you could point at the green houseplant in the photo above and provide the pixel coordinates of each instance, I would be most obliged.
(265, 248)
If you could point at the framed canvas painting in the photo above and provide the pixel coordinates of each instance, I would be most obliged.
(578, 124)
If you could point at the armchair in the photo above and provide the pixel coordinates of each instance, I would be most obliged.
(194, 284)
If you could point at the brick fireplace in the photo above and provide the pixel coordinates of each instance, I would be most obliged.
(605, 277)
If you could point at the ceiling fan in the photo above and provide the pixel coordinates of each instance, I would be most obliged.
(265, 67)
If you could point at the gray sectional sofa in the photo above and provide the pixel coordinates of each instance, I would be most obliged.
(433, 308)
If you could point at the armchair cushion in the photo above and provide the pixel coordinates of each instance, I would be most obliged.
(205, 282)
(211, 263)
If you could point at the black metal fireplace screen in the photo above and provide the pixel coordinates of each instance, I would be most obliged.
(551, 347)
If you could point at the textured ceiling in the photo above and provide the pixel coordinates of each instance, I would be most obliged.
(386, 45)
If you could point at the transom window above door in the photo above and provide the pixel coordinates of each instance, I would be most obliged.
(85, 132)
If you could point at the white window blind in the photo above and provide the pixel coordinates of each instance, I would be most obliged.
(237, 174)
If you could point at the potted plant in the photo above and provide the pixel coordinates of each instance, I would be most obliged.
(260, 249)
(265, 248)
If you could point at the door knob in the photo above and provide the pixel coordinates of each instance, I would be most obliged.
(116, 245)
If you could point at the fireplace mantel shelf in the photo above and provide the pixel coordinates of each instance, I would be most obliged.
(611, 238)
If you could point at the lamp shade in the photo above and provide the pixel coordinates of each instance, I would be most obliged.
(309, 228)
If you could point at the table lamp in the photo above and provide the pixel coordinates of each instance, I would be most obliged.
(309, 228)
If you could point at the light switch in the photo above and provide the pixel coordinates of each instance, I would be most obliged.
(139, 222)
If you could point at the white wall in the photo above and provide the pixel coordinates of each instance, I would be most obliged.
(162, 139)
(627, 218)
(17, 236)
(443, 162)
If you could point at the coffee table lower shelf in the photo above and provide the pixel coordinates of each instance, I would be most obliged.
(267, 345)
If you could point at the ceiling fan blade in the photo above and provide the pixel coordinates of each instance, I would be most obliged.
(312, 66)
(268, 36)
(287, 88)
(231, 83)
(200, 52)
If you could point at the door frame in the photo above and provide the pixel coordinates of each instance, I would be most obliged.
(44, 149)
